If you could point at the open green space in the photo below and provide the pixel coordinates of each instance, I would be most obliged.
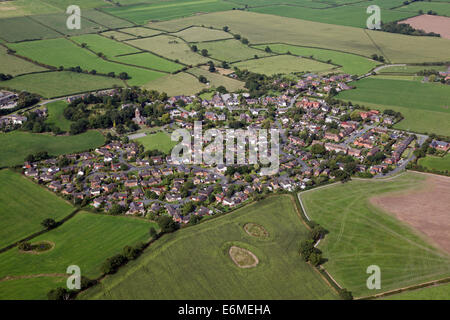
(24, 205)
(215, 79)
(56, 117)
(231, 50)
(351, 63)
(117, 35)
(436, 163)
(441, 8)
(86, 240)
(410, 70)
(24, 28)
(99, 44)
(439, 292)
(426, 102)
(177, 84)
(58, 22)
(149, 60)
(12, 65)
(361, 235)
(141, 31)
(29, 288)
(18, 8)
(16, 145)
(160, 141)
(105, 20)
(161, 272)
(83, 4)
(283, 64)
(200, 34)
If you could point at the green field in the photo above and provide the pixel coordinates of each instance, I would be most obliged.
(18, 8)
(361, 235)
(58, 84)
(410, 70)
(424, 105)
(199, 34)
(215, 79)
(160, 141)
(283, 64)
(12, 65)
(29, 288)
(57, 22)
(441, 8)
(105, 20)
(24, 28)
(24, 206)
(142, 13)
(117, 35)
(351, 63)
(170, 47)
(231, 50)
(110, 48)
(177, 84)
(140, 32)
(56, 115)
(436, 163)
(16, 145)
(193, 263)
(439, 292)
(86, 240)
(149, 60)
(83, 4)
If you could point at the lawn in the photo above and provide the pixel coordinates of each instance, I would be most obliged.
(160, 141)
(215, 79)
(193, 263)
(283, 64)
(85, 240)
(149, 60)
(109, 47)
(56, 115)
(439, 292)
(351, 63)
(424, 105)
(231, 50)
(436, 163)
(12, 65)
(58, 84)
(24, 206)
(169, 47)
(361, 235)
(199, 34)
(16, 145)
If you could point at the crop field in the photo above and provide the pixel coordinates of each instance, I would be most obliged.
(109, 47)
(149, 60)
(10, 64)
(62, 52)
(143, 13)
(24, 28)
(431, 23)
(427, 102)
(157, 141)
(170, 47)
(216, 79)
(436, 163)
(283, 64)
(275, 29)
(177, 84)
(58, 84)
(199, 34)
(24, 206)
(160, 273)
(351, 63)
(16, 145)
(86, 240)
(58, 22)
(56, 115)
(439, 292)
(361, 234)
(231, 50)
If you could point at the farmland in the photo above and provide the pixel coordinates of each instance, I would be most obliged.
(199, 34)
(176, 84)
(160, 141)
(204, 248)
(108, 47)
(422, 104)
(436, 163)
(351, 63)
(16, 145)
(29, 288)
(56, 115)
(439, 292)
(361, 234)
(283, 64)
(57, 22)
(10, 64)
(140, 32)
(216, 80)
(149, 60)
(24, 206)
(24, 28)
(231, 50)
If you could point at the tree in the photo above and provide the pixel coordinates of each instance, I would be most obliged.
(58, 294)
(124, 76)
(204, 52)
(345, 294)
(202, 79)
(48, 223)
(225, 28)
(194, 48)
(306, 248)
(318, 149)
(25, 246)
(315, 258)
(116, 209)
(152, 232)
(167, 224)
(267, 49)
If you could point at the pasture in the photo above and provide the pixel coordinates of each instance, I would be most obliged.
(29, 288)
(410, 70)
(438, 292)
(24, 28)
(105, 20)
(200, 34)
(16, 145)
(231, 50)
(421, 103)
(351, 63)
(140, 32)
(56, 115)
(441, 8)
(157, 141)
(18, 8)
(117, 35)
(10, 64)
(361, 234)
(160, 273)
(58, 84)
(149, 60)
(283, 64)
(215, 79)
(24, 205)
(109, 47)
(176, 84)
(436, 163)
(86, 240)
(57, 22)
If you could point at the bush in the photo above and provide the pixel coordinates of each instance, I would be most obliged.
(112, 264)
(58, 294)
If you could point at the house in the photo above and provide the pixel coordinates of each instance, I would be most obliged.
(440, 145)
(203, 211)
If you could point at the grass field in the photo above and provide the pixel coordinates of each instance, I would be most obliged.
(109, 47)
(165, 270)
(57, 84)
(56, 115)
(231, 50)
(24, 28)
(282, 64)
(142, 13)
(170, 47)
(351, 63)
(83, 4)
(105, 20)
(216, 79)
(199, 34)
(16, 145)
(361, 235)
(140, 32)
(264, 28)
(149, 60)
(117, 35)
(440, 292)
(436, 163)
(29, 288)
(58, 22)
(441, 8)
(86, 240)
(177, 84)
(12, 65)
(410, 70)
(424, 105)
(160, 141)
(18, 8)
(24, 206)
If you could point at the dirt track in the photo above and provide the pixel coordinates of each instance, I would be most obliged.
(426, 210)
(429, 23)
